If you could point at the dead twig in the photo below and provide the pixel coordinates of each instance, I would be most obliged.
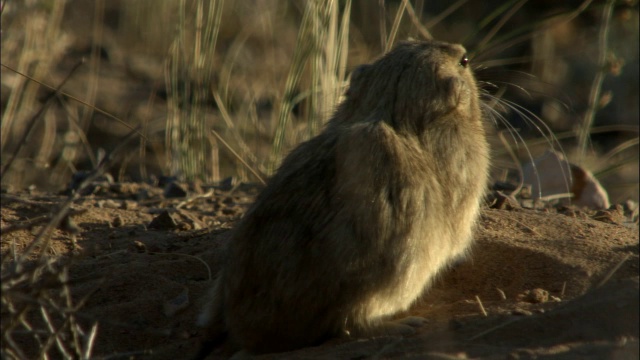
(482, 310)
(613, 270)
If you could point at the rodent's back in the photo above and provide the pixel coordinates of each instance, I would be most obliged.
(358, 220)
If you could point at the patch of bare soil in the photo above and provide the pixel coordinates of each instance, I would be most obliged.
(537, 284)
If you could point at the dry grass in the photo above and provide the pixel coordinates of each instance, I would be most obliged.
(40, 315)
(264, 76)
(268, 76)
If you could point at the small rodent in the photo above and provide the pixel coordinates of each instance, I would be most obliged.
(358, 221)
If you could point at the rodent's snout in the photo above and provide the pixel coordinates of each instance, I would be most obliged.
(457, 92)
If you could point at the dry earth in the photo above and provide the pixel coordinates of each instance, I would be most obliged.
(554, 284)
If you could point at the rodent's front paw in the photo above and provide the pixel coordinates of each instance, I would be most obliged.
(241, 355)
(400, 327)
(405, 326)
(413, 321)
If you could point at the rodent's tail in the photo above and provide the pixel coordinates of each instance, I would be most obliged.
(212, 319)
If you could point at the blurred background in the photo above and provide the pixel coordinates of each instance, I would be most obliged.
(215, 88)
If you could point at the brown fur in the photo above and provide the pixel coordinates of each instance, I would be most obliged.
(358, 220)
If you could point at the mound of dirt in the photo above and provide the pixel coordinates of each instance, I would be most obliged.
(537, 284)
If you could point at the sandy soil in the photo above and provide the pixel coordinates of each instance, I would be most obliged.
(545, 284)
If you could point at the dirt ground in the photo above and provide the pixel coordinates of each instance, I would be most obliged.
(539, 284)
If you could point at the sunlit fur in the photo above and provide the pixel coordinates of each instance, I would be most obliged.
(358, 221)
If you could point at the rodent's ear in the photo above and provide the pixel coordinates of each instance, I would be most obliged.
(356, 74)
(355, 77)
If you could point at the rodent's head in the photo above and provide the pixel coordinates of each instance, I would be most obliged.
(415, 84)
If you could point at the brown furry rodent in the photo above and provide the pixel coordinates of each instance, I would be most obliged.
(358, 220)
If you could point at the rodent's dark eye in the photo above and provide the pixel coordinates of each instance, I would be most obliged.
(464, 61)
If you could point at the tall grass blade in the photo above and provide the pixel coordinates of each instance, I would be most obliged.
(596, 86)
(190, 73)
